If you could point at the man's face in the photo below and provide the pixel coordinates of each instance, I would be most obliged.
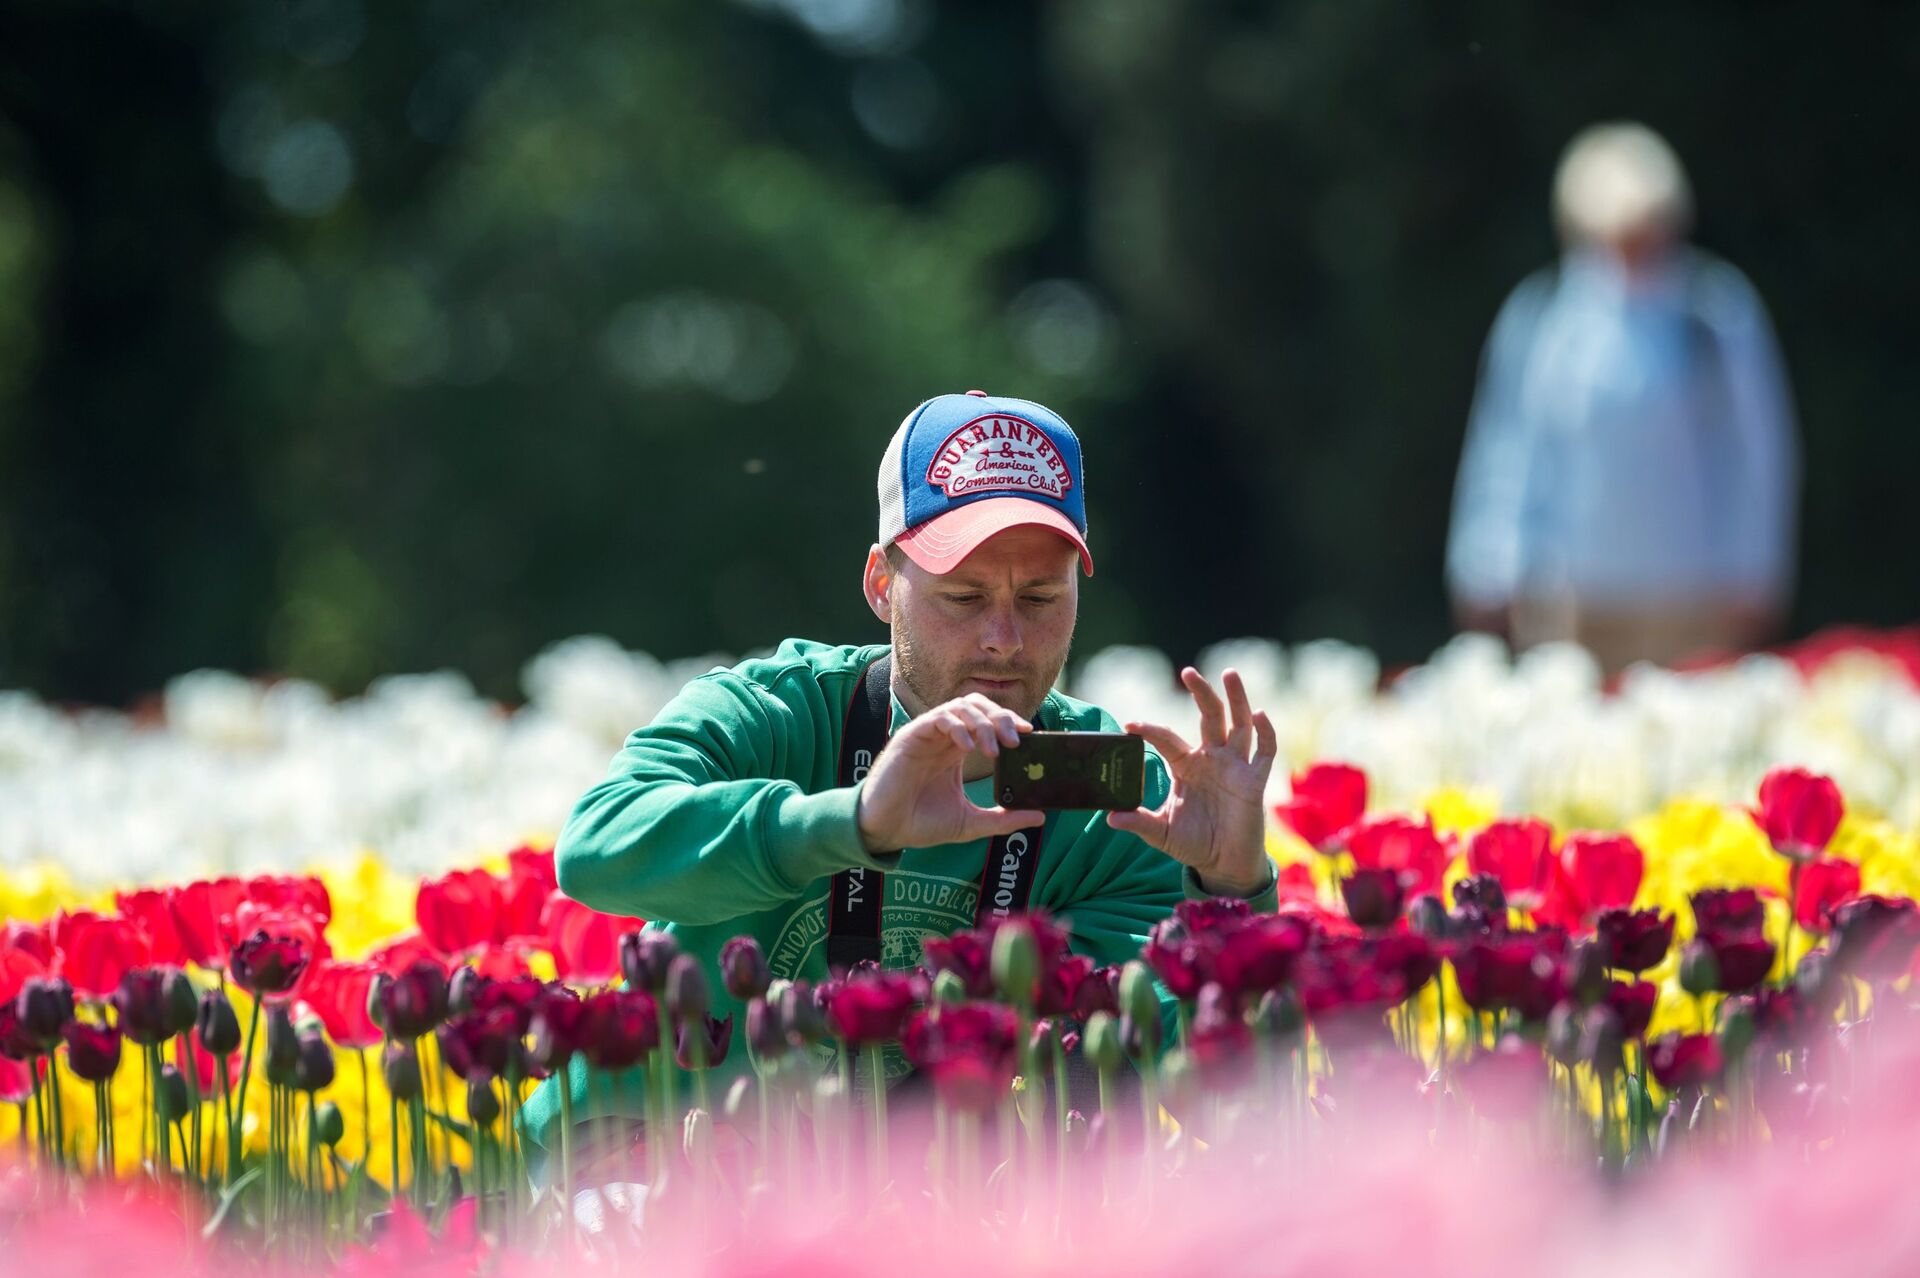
(999, 624)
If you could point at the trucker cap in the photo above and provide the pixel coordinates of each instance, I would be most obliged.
(964, 467)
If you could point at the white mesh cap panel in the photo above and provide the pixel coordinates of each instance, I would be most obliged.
(893, 497)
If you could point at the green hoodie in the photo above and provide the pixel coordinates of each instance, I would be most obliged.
(723, 817)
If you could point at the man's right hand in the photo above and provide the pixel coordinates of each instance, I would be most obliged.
(913, 797)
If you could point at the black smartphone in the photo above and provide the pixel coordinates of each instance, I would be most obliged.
(1091, 770)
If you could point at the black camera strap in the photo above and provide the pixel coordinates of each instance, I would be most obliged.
(853, 910)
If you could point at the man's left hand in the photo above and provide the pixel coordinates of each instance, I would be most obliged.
(1214, 819)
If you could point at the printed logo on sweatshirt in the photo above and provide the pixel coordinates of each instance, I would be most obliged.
(915, 907)
(999, 454)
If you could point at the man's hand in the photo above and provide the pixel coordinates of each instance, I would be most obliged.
(913, 797)
(1214, 818)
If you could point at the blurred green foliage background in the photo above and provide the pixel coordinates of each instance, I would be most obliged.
(340, 337)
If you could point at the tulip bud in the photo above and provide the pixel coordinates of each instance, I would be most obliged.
(283, 1046)
(698, 1140)
(182, 1000)
(328, 1125)
(766, 1037)
(1279, 1016)
(1587, 973)
(44, 1007)
(216, 1026)
(483, 1104)
(414, 1001)
(800, 1016)
(1601, 1042)
(400, 1065)
(743, 968)
(461, 988)
(687, 995)
(1699, 969)
(1016, 962)
(1140, 1038)
(949, 988)
(1179, 1081)
(739, 1096)
(1736, 1028)
(1373, 897)
(1138, 999)
(171, 1096)
(1103, 1042)
(1564, 1031)
(314, 1068)
(141, 1005)
(645, 957)
(1426, 916)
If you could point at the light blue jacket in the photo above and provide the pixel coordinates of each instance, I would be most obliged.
(1631, 444)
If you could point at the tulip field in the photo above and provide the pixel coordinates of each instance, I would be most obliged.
(1561, 971)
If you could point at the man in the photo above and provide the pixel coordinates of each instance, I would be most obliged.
(1630, 474)
(744, 809)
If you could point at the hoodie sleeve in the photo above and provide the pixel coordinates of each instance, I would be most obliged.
(696, 822)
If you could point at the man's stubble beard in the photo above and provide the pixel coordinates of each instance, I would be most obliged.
(933, 686)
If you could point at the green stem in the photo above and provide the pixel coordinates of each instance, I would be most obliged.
(877, 1123)
(366, 1116)
(1059, 1132)
(393, 1133)
(59, 1111)
(566, 1154)
(237, 1121)
(103, 1121)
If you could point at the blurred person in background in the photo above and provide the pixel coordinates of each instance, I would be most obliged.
(1631, 468)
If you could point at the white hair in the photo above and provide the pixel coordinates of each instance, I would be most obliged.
(1617, 180)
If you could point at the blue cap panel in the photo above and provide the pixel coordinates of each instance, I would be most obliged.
(967, 448)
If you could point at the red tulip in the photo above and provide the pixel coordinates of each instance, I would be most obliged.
(28, 938)
(16, 1080)
(339, 993)
(1689, 1060)
(1593, 872)
(1519, 854)
(16, 968)
(585, 942)
(460, 912)
(531, 879)
(1521, 971)
(1819, 886)
(1259, 956)
(1410, 848)
(95, 951)
(1799, 810)
(505, 961)
(301, 892)
(401, 953)
(203, 919)
(152, 910)
(1328, 798)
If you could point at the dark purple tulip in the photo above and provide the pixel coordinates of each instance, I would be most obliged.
(216, 1025)
(714, 1038)
(1634, 940)
(800, 1015)
(766, 1036)
(688, 997)
(622, 1027)
(1874, 937)
(483, 1104)
(1060, 983)
(1373, 897)
(170, 1094)
(559, 1027)
(1521, 972)
(413, 1002)
(1481, 892)
(1633, 1003)
(283, 1046)
(1728, 910)
(480, 1044)
(514, 1000)
(645, 957)
(267, 965)
(44, 1007)
(400, 1066)
(1690, 1060)
(93, 1051)
(1744, 960)
(743, 969)
(1098, 993)
(142, 1004)
(461, 987)
(15, 1043)
(314, 1069)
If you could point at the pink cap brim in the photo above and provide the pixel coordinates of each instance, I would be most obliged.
(941, 543)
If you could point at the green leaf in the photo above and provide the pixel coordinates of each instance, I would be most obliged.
(227, 1199)
(463, 1130)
